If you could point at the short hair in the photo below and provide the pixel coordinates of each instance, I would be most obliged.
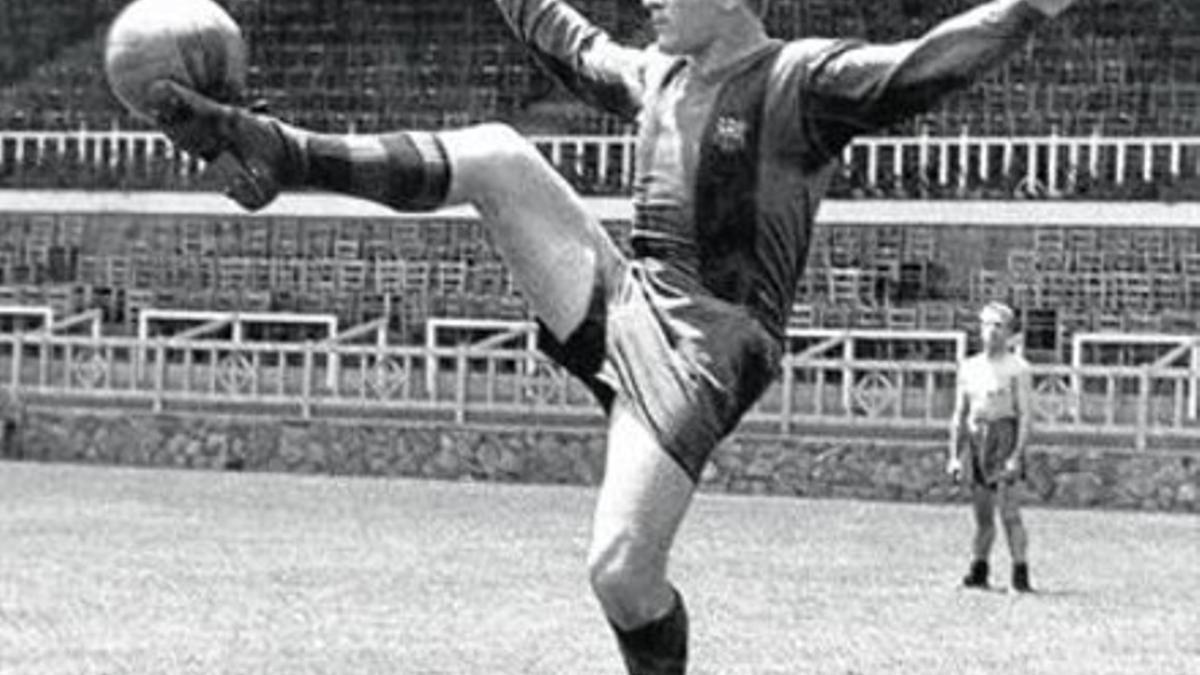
(1002, 311)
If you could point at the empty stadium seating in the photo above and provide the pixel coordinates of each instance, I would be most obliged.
(1128, 67)
(1065, 280)
(351, 268)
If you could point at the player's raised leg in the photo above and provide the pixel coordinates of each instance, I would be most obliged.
(552, 245)
(641, 504)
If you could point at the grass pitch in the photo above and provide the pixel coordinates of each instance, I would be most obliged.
(108, 570)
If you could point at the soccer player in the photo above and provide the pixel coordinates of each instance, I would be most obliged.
(991, 428)
(738, 136)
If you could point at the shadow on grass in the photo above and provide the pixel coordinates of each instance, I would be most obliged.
(1037, 593)
(1053, 593)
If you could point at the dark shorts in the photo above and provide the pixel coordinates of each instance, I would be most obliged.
(988, 449)
(690, 364)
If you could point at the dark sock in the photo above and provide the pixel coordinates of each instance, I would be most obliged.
(407, 171)
(659, 647)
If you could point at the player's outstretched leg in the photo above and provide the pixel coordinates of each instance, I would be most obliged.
(641, 504)
(553, 246)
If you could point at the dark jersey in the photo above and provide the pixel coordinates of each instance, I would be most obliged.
(732, 162)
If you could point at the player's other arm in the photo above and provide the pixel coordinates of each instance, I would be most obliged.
(958, 422)
(859, 87)
(1023, 400)
(579, 54)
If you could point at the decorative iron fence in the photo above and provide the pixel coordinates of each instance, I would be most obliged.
(825, 388)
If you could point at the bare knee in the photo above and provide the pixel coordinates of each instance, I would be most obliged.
(985, 520)
(624, 573)
(985, 511)
(1011, 517)
(985, 528)
(615, 569)
(491, 152)
(500, 139)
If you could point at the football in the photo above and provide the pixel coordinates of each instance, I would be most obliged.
(193, 42)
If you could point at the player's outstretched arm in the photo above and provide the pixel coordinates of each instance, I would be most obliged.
(859, 87)
(579, 54)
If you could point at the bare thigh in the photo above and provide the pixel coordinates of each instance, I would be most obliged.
(644, 496)
(553, 245)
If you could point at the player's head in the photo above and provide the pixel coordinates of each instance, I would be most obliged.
(690, 27)
(996, 323)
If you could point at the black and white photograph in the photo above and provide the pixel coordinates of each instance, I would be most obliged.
(599, 337)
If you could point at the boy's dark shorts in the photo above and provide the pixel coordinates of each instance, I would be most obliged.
(690, 364)
(990, 448)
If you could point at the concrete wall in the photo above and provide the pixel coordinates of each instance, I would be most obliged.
(1071, 477)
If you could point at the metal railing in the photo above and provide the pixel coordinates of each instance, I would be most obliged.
(826, 388)
(1048, 165)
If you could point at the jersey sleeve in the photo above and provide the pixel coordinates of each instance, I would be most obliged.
(579, 54)
(854, 87)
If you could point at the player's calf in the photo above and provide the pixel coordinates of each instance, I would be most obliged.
(658, 647)
(256, 156)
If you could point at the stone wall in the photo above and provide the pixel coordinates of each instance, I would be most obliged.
(1072, 477)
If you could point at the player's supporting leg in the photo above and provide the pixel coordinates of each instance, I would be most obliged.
(983, 508)
(1014, 532)
(541, 226)
(641, 504)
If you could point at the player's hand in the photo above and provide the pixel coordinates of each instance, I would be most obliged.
(1051, 8)
(954, 469)
(1012, 467)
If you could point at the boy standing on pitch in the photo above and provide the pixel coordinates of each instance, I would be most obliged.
(988, 437)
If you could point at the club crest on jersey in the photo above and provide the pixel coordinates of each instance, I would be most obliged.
(729, 135)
